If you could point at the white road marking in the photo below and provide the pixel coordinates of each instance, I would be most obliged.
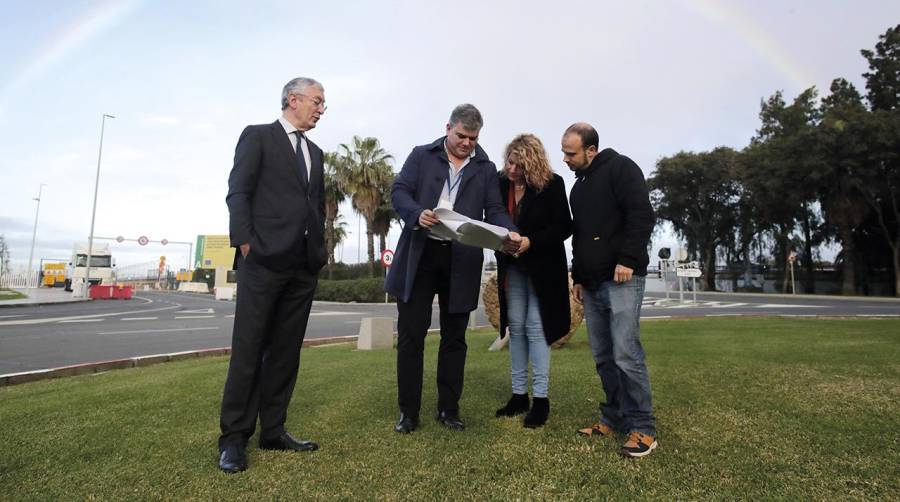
(877, 315)
(232, 316)
(198, 311)
(787, 306)
(730, 305)
(91, 316)
(81, 320)
(8, 316)
(656, 317)
(139, 318)
(153, 331)
(194, 316)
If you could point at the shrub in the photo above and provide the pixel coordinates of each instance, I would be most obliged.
(355, 290)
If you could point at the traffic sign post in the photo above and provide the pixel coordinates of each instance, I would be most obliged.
(387, 257)
(791, 259)
(692, 270)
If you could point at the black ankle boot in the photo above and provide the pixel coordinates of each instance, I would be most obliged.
(517, 404)
(540, 410)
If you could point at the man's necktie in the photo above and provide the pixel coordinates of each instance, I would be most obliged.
(300, 160)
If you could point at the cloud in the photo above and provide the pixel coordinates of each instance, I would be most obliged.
(161, 120)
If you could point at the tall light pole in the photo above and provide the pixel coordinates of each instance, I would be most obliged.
(37, 211)
(87, 270)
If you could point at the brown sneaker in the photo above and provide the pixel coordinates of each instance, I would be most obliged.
(598, 429)
(638, 445)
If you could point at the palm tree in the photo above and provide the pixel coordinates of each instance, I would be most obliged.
(385, 215)
(367, 169)
(334, 195)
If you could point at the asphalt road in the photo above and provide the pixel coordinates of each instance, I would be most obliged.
(33, 338)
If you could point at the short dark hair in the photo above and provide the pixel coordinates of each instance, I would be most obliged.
(587, 133)
(468, 115)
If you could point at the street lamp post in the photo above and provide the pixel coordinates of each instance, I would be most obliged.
(87, 270)
(34, 232)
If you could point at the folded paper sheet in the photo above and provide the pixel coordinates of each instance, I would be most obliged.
(467, 231)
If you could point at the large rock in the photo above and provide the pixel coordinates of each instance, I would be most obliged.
(492, 308)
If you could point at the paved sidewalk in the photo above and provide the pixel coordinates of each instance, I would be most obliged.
(41, 296)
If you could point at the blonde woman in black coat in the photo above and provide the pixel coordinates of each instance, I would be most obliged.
(533, 283)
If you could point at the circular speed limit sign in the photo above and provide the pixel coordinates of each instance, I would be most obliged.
(387, 257)
(143, 240)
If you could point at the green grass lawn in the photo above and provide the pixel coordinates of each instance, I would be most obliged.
(8, 294)
(748, 408)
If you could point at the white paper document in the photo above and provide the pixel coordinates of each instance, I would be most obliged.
(467, 231)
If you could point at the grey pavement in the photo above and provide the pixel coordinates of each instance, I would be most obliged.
(50, 336)
(41, 296)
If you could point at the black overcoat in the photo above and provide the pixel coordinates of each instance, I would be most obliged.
(543, 218)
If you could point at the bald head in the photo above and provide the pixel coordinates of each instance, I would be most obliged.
(579, 145)
(586, 132)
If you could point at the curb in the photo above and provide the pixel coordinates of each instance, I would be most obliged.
(138, 362)
(38, 304)
(885, 299)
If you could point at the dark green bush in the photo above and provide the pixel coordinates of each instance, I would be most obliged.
(342, 271)
(355, 290)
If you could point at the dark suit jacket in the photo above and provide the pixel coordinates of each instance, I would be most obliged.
(418, 187)
(543, 218)
(269, 204)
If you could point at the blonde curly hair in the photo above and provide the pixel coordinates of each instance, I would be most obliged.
(532, 158)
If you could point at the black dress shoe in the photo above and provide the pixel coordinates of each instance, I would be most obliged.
(285, 442)
(450, 420)
(406, 424)
(233, 459)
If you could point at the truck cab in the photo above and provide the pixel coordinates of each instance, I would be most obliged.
(102, 265)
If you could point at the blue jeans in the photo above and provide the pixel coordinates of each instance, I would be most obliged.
(526, 335)
(612, 312)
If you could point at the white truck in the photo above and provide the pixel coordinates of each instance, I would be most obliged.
(102, 265)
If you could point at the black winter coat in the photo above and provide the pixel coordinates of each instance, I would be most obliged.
(611, 219)
(544, 219)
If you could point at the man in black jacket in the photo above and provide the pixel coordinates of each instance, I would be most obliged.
(612, 221)
(276, 203)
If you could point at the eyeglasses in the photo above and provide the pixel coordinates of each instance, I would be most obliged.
(319, 102)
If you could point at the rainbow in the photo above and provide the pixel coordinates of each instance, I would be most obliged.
(724, 12)
(103, 15)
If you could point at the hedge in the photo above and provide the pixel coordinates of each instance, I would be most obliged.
(355, 290)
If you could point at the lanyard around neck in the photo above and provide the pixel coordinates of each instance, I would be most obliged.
(455, 183)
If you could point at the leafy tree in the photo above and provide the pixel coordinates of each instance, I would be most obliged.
(4, 255)
(780, 171)
(697, 193)
(880, 183)
(367, 169)
(844, 149)
(883, 77)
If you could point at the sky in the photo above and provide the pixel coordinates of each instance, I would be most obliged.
(184, 78)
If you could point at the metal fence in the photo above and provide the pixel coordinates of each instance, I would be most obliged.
(21, 280)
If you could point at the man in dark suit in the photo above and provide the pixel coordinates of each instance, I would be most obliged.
(452, 172)
(276, 199)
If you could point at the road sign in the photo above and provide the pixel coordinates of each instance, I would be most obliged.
(387, 257)
(120, 239)
(164, 242)
(688, 272)
(143, 240)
